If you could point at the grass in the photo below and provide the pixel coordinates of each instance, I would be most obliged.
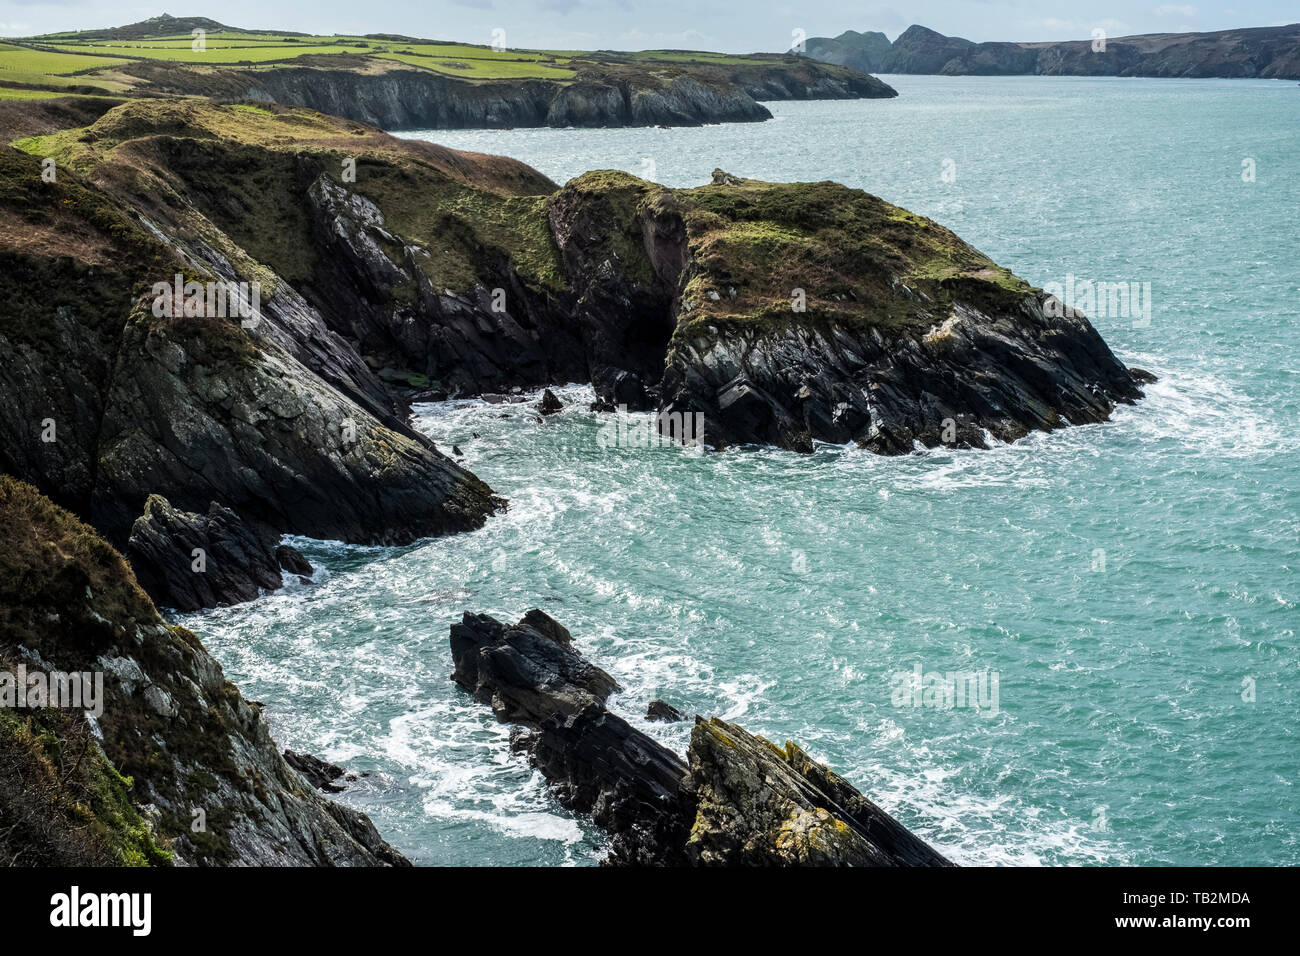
(20, 59)
(859, 260)
(10, 93)
(481, 68)
(66, 54)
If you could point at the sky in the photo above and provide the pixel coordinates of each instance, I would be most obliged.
(732, 26)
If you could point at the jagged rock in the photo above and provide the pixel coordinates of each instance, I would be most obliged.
(759, 805)
(527, 672)
(907, 336)
(190, 561)
(207, 784)
(292, 560)
(597, 763)
(315, 771)
(744, 802)
(664, 712)
(550, 404)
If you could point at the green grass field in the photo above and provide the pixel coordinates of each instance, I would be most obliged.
(71, 59)
(20, 59)
(43, 60)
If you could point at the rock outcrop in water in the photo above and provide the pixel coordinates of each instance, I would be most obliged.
(1264, 52)
(814, 312)
(740, 801)
(170, 765)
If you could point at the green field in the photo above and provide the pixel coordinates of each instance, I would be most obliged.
(61, 54)
(61, 60)
(20, 59)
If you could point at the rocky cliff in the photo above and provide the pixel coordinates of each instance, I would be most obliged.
(271, 416)
(166, 764)
(738, 799)
(1262, 52)
(607, 89)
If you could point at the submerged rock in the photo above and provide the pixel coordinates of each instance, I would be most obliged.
(741, 801)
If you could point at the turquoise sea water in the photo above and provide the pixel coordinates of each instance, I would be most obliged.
(1127, 583)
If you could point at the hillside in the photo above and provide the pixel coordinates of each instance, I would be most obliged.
(1261, 52)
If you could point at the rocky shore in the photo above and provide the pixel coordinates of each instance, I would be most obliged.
(736, 800)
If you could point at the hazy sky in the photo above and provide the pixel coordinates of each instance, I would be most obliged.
(731, 25)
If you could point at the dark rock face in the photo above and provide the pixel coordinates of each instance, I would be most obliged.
(436, 273)
(277, 419)
(861, 51)
(209, 786)
(408, 99)
(271, 441)
(1006, 372)
(900, 333)
(920, 50)
(625, 261)
(527, 672)
(744, 802)
(1264, 52)
(663, 712)
(190, 561)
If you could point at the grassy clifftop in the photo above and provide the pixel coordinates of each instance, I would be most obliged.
(165, 55)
